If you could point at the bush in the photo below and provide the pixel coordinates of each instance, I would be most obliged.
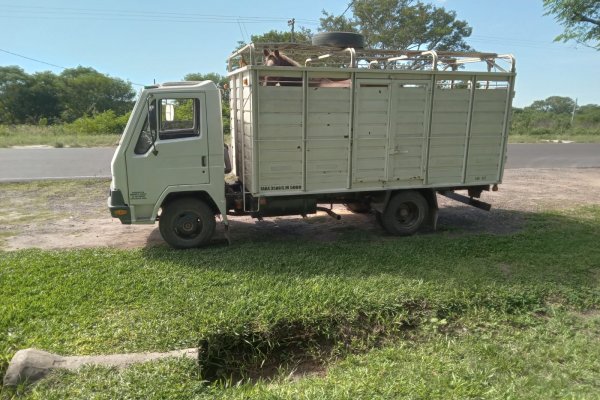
(102, 123)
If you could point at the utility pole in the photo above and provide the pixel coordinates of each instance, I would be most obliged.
(291, 23)
(573, 113)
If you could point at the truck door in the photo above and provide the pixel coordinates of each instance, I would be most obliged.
(179, 154)
(409, 124)
(371, 130)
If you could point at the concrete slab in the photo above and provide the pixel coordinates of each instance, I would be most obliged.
(31, 365)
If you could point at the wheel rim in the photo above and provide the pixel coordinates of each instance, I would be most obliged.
(188, 225)
(407, 214)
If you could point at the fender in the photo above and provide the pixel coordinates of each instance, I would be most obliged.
(218, 198)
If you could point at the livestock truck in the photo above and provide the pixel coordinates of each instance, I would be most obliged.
(379, 131)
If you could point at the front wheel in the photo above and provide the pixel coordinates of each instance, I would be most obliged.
(186, 223)
(405, 213)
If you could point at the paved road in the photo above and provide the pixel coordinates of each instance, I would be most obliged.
(573, 155)
(27, 164)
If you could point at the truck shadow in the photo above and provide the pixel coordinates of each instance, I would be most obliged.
(458, 220)
(498, 246)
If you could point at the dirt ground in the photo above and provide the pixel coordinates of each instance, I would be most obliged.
(87, 223)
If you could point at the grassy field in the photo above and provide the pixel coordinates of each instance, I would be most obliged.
(430, 316)
(54, 136)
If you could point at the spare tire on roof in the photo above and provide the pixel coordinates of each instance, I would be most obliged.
(339, 39)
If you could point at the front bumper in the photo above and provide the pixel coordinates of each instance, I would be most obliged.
(118, 208)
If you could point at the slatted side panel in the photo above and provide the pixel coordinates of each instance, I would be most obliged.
(280, 130)
(409, 128)
(448, 135)
(327, 137)
(487, 124)
(371, 132)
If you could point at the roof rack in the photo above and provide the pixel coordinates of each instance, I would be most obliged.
(321, 56)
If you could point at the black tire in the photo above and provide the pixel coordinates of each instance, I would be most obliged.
(339, 39)
(358, 208)
(405, 213)
(186, 223)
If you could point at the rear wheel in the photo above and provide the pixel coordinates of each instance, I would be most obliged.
(186, 223)
(405, 213)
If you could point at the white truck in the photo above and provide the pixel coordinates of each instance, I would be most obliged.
(379, 131)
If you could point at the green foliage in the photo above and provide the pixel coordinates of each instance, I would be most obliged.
(222, 82)
(554, 104)
(51, 98)
(58, 135)
(303, 35)
(580, 18)
(551, 117)
(402, 24)
(218, 79)
(101, 123)
(86, 91)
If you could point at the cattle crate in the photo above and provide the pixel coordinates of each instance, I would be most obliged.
(340, 120)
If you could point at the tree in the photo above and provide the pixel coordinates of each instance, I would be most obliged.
(87, 91)
(75, 93)
(580, 18)
(402, 24)
(553, 104)
(14, 83)
(44, 98)
(28, 98)
(303, 35)
(220, 81)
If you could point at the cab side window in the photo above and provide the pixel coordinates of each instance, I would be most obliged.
(144, 141)
(178, 118)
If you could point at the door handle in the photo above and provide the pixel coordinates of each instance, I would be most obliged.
(204, 161)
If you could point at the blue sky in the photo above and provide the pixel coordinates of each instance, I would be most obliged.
(143, 41)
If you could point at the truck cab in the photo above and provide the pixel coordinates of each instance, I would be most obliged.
(171, 146)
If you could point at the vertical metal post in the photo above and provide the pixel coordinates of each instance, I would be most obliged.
(291, 23)
(468, 132)
(304, 125)
(386, 168)
(353, 94)
(428, 132)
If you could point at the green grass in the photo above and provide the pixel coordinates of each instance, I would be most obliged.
(430, 316)
(55, 136)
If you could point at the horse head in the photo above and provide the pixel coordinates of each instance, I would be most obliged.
(277, 59)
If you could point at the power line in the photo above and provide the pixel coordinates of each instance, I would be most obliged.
(47, 63)
(33, 59)
(347, 8)
(30, 11)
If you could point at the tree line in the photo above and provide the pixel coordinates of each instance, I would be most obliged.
(47, 98)
(556, 115)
